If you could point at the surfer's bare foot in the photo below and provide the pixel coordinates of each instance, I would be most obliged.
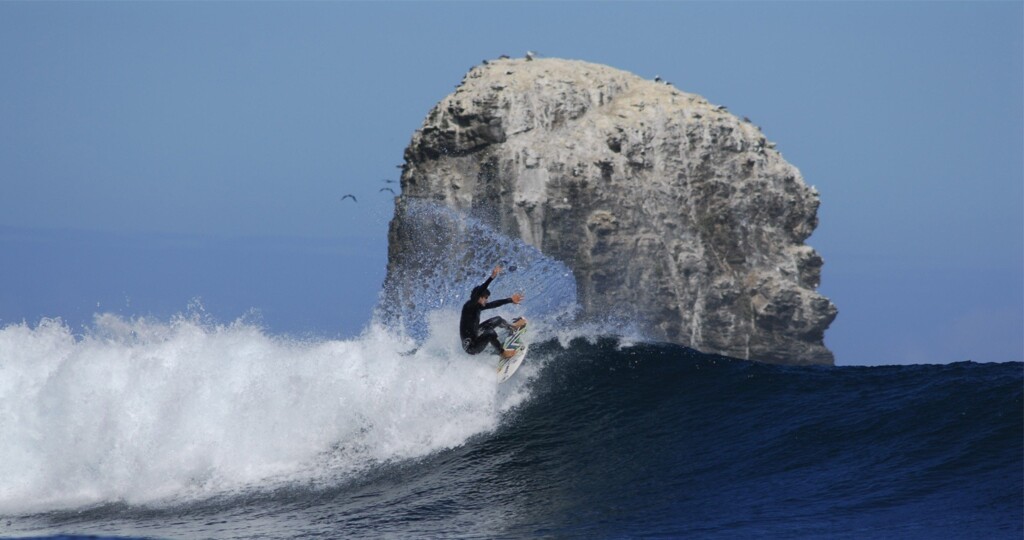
(519, 323)
(508, 353)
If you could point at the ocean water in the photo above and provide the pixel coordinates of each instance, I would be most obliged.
(192, 430)
(188, 427)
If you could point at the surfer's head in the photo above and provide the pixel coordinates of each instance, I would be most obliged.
(480, 293)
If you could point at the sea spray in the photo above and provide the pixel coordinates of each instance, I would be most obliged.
(150, 412)
(454, 252)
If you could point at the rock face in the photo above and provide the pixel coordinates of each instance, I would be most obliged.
(668, 209)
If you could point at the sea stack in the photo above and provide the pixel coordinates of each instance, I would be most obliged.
(670, 210)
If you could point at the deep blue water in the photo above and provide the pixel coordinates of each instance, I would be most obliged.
(659, 441)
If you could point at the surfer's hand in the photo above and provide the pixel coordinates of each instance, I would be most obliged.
(516, 298)
(496, 271)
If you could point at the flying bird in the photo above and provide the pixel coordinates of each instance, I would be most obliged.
(388, 189)
(389, 181)
(350, 196)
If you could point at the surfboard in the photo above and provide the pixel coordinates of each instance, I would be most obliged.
(508, 366)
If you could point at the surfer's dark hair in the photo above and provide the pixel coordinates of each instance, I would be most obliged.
(479, 291)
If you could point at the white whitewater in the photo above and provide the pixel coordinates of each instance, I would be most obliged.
(150, 412)
(157, 412)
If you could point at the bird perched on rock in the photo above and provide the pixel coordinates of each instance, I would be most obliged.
(657, 78)
(530, 55)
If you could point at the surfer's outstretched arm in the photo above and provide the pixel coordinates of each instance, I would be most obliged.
(514, 299)
(481, 290)
(494, 274)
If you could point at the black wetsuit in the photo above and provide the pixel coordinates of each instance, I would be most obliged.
(476, 335)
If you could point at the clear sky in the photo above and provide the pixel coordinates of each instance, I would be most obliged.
(153, 153)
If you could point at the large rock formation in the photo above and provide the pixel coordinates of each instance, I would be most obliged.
(669, 209)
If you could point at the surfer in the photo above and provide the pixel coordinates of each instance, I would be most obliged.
(476, 335)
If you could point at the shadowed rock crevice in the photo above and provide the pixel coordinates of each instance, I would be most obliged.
(668, 209)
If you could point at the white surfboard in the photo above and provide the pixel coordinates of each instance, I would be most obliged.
(508, 366)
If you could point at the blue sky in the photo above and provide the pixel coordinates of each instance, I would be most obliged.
(200, 150)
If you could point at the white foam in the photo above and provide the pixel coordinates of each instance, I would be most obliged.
(148, 412)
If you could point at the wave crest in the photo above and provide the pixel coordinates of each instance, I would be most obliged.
(144, 411)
